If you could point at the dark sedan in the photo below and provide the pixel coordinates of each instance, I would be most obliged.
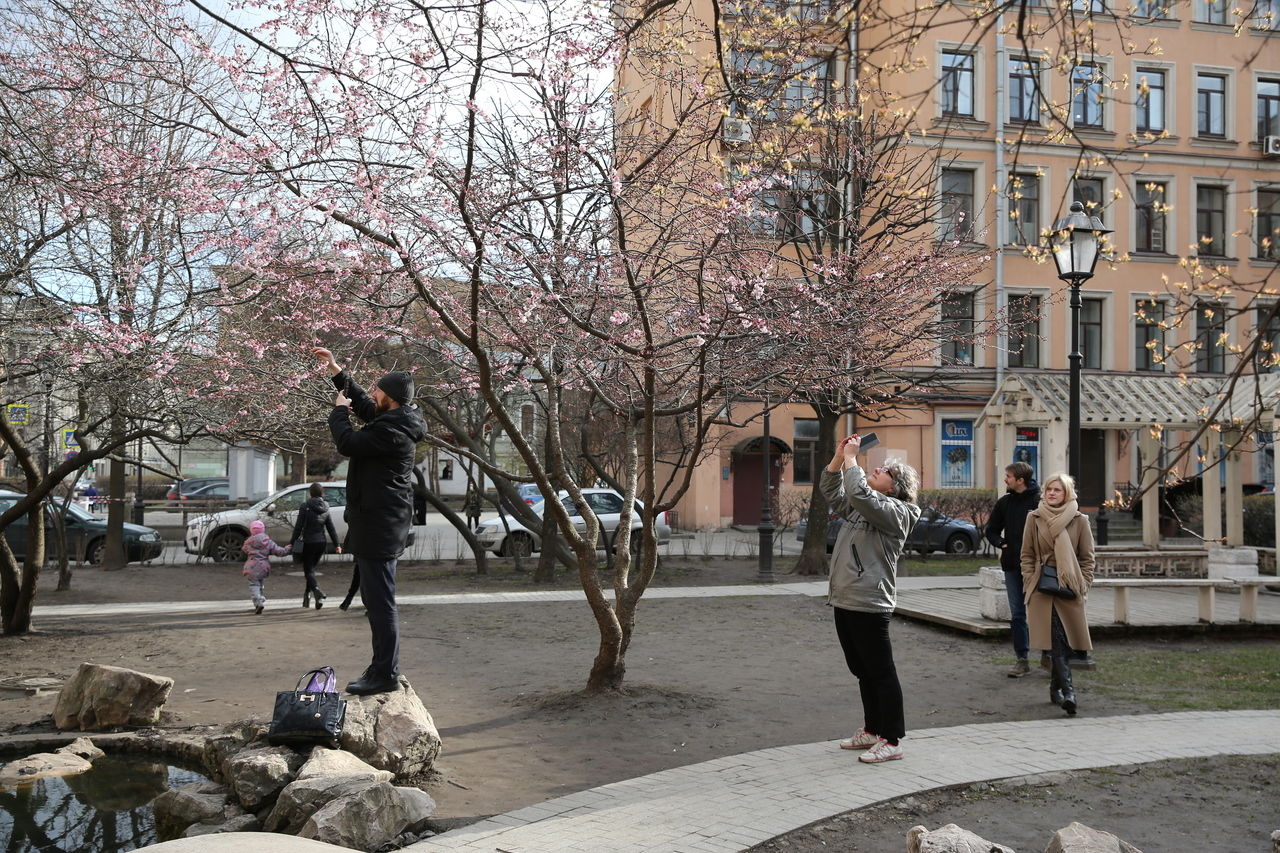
(934, 531)
(86, 534)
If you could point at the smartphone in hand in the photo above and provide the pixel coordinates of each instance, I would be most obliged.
(869, 441)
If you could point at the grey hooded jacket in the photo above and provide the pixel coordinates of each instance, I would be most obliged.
(864, 562)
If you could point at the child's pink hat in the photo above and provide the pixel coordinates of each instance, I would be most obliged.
(256, 527)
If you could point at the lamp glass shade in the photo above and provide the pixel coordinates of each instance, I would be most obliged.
(1075, 252)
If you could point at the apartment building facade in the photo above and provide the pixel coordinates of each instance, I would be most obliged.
(1164, 119)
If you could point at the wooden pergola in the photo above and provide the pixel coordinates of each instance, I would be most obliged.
(1148, 404)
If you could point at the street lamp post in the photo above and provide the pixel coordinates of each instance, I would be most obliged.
(765, 574)
(46, 454)
(1076, 244)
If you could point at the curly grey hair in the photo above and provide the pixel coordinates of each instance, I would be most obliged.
(906, 480)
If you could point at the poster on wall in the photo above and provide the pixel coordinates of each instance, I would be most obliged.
(957, 454)
(1027, 448)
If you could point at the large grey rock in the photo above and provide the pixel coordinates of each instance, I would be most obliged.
(42, 765)
(418, 807)
(101, 697)
(82, 747)
(339, 762)
(1075, 837)
(258, 775)
(221, 746)
(301, 799)
(198, 802)
(950, 839)
(363, 820)
(238, 823)
(392, 731)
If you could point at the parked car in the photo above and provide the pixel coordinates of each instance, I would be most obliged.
(183, 489)
(210, 492)
(514, 538)
(219, 535)
(530, 492)
(86, 534)
(935, 531)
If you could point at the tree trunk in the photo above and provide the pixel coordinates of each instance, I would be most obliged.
(114, 558)
(18, 583)
(546, 569)
(813, 559)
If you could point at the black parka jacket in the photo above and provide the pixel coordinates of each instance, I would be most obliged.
(313, 522)
(380, 474)
(1004, 527)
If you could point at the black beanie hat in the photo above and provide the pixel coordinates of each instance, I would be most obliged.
(398, 385)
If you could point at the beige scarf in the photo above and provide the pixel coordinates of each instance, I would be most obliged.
(1052, 533)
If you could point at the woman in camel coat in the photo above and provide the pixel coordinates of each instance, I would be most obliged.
(1057, 533)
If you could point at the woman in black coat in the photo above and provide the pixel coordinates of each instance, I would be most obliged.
(312, 524)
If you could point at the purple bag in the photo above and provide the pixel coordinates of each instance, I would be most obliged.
(322, 681)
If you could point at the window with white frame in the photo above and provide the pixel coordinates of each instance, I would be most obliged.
(1268, 107)
(1091, 316)
(1150, 217)
(1266, 14)
(1267, 329)
(1150, 103)
(1213, 11)
(1023, 193)
(1148, 335)
(1267, 240)
(1211, 104)
(957, 83)
(1089, 192)
(1088, 95)
(801, 206)
(1211, 347)
(957, 332)
(1024, 331)
(1088, 6)
(956, 205)
(769, 86)
(804, 462)
(1152, 8)
(1211, 220)
(1024, 95)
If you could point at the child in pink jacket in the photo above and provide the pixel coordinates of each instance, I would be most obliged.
(260, 548)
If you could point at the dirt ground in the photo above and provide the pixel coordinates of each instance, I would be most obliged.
(708, 677)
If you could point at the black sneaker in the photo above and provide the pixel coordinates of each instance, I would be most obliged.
(371, 683)
(258, 609)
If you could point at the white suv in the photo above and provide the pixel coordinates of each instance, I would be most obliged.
(513, 538)
(220, 535)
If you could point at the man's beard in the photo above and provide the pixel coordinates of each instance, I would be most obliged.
(383, 404)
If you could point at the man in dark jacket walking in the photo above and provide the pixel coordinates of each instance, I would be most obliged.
(1004, 531)
(379, 502)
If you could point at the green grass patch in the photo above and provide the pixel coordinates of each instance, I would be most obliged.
(1202, 679)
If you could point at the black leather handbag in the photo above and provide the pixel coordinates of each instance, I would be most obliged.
(306, 716)
(1049, 585)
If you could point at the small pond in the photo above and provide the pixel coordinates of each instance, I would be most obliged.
(102, 811)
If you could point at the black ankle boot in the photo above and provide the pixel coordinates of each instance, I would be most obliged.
(1062, 680)
(320, 597)
(306, 598)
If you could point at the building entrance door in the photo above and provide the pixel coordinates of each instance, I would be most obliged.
(748, 483)
(1092, 487)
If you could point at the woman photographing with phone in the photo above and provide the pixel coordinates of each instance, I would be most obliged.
(879, 512)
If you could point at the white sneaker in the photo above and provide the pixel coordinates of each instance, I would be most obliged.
(882, 751)
(862, 740)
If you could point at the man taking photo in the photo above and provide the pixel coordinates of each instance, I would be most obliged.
(379, 502)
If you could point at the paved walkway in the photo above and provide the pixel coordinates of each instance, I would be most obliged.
(810, 588)
(733, 803)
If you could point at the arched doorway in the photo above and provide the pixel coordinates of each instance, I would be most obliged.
(748, 476)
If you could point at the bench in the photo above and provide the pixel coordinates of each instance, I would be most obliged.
(1206, 586)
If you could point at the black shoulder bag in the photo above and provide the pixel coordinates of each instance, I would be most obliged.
(311, 715)
(1049, 585)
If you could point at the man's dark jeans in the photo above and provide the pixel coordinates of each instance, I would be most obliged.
(378, 595)
(1017, 613)
(864, 637)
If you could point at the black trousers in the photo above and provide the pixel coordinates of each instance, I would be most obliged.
(311, 554)
(378, 595)
(864, 637)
